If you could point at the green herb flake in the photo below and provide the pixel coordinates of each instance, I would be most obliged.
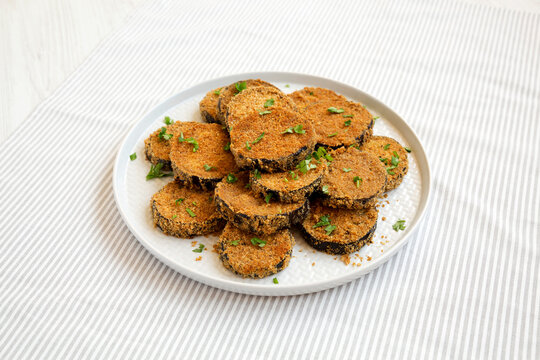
(294, 175)
(231, 179)
(155, 172)
(347, 170)
(287, 85)
(357, 181)
(269, 102)
(208, 167)
(163, 134)
(265, 112)
(248, 146)
(189, 140)
(305, 165)
(333, 110)
(178, 201)
(329, 229)
(348, 116)
(194, 203)
(267, 198)
(389, 171)
(168, 121)
(174, 216)
(322, 153)
(199, 249)
(332, 135)
(399, 225)
(323, 221)
(325, 189)
(407, 149)
(133, 156)
(385, 147)
(235, 242)
(259, 138)
(258, 242)
(240, 86)
(376, 118)
(217, 92)
(384, 160)
(256, 174)
(311, 93)
(227, 147)
(275, 280)
(347, 123)
(285, 179)
(296, 129)
(247, 186)
(190, 212)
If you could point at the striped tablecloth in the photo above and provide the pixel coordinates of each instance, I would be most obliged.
(75, 283)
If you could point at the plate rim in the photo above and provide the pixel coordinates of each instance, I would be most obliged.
(258, 289)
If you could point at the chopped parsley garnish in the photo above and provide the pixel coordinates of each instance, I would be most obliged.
(190, 212)
(247, 186)
(348, 116)
(259, 138)
(311, 93)
(257, 174)
(357, 181)
(384, 160)
(389, 171)
(322, 153)
(376, 118)
(287, 85)
(189, 140)
(174, 216)
(248, 146)
(227, 147)
(325, 189)
(208, 167)
(333, 134)
(294, 176)
(333, 110)
(394, 162)
(267, 198)
(155, 172)
(346, 170)
(269, 103)
(133, 156)
(217, 92)
(285, 179)
(231, 179)
(385, 147)
(399, 225)
(163, 134)
(325, 221)
(347, 123)
(240, 86)
(199, 249)
(297, 129)
(235, 242)
(275, 280)
(168, 120)
(407, 149)
(265, 112)
(178, 201)
(258, 242)
(194, 203)
(305, 165)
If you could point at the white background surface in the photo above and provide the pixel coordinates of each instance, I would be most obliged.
(42, 42)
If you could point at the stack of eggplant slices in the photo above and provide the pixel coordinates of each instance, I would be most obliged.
(263, 162)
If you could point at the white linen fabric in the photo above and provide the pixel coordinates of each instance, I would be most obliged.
(74, 283)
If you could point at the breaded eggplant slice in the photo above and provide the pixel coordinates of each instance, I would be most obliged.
(257, 99)
(273, 140)
(312, 95)
(184, 212)
(158, 145)
(255, 256)
(202, 158)
(290, 186)
(393, 157)
(340, 123)
(209, 106)
(354, 179)
(230, 91)
(240, 206)
(339, 231)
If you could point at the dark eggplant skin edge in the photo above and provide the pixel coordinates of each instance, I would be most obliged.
(262, 224)
(209, 118)
(286, 197)
(193, 181)
(259, 275)
(336, 248)
(273, 165)
(185, 230)
(156, 160)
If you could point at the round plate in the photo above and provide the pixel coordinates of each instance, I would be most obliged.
(308, 271)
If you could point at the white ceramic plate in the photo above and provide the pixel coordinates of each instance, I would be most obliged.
(308, 271)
